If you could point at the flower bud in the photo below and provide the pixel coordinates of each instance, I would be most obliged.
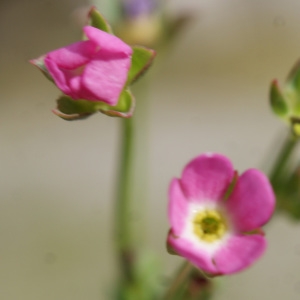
(95, 74)
(285, 102)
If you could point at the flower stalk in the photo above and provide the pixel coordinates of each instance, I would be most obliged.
(189, 283)
(124, 238)
(277, 174)
(178, 282)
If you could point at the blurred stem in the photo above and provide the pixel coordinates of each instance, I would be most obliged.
(189, 284)
(131, 185)
(124, 239)
(141, 145)
(178, 282)
(277, 172)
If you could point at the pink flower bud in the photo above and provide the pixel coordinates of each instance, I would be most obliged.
(95, 69)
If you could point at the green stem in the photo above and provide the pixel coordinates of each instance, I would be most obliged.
(178, 281)
(123, 233)
(132, 170)
(189, 283)
(278, 170)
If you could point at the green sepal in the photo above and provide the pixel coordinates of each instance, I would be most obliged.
(141, 60)
(169, 247)
(294, 77)
(39, 63)
(295, 124)
(231, 186)
(96, 20)
(277, 100)
(123, 109)
(70, 109)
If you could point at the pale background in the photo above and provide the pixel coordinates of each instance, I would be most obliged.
(210, 93)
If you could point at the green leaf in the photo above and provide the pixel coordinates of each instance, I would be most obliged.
(123, 109)
(70, 109)
(277, 100)
(98, 21)
(141, 60)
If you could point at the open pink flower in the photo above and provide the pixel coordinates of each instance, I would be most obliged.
(217, 235)
(95, 69)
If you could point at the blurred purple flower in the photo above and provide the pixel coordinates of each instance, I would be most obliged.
(134, 8)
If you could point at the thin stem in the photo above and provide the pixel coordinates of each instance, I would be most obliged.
(189, 283)
(132, 170)
(140, 190)
(282, 159)
(177, 283)
(122, 222)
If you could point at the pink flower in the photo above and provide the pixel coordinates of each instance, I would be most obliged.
(217, 235)
(95, 69)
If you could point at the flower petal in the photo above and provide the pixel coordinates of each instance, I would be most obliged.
(252, 201)
(178, 207)
(103, 79)
(197, 256)
(72, 56)
(62, 64)
(107, 42)
(59, 76)
(239, 252)
(207, 177)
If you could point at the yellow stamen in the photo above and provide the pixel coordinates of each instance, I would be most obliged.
(209, 225)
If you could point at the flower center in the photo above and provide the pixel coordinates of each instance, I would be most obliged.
(209, 225)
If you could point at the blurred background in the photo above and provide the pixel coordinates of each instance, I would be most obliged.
(207, 92)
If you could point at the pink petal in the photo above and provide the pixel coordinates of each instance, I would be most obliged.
(207, 177)
(178, 207)
(62, 64)
(107, 42)
(196, 255)
(74, 83)
(94, 70)
(59, 77)
(72, 56)
(103, 79)
(239, 252)
(252, 202)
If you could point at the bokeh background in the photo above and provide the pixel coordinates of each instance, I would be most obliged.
(209, 92)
